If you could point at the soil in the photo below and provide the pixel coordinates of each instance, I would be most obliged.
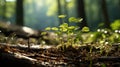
(54, 57)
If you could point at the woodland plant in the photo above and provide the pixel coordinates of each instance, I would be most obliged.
(115, 25)
(103, 39)
(71, 35)
(68, 35)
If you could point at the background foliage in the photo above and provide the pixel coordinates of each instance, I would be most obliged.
(40, 14)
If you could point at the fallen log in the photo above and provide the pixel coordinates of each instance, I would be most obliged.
(17, 60)
(20, 31)
(33, 47)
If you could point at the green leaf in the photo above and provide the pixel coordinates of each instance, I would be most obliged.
(85, 29)
(48, 28)
(62, 16)
(43, 33)
(71, 27)
(73, 19)
(80, 19)
(63, 29)
(55, 28)
(115, 25)
(63, 25)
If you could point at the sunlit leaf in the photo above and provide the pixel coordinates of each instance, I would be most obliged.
(64, 30)
(71, 27)
(63, 25)
(54, 28)
(62, 16)
(115, 25)
(73, 19)
(80, 19)
(43, 33)
(48, 28)
(85, 29)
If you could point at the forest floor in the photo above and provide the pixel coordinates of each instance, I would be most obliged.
(20, 55)
(54, 57)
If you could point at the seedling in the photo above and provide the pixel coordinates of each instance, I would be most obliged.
(67, 34)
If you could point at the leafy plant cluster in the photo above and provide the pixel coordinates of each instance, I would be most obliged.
(69, 35)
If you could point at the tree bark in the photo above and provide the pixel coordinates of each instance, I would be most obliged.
(119, 4)
(19, 12)
(105, 14)
(59, 11)
(66, 11)
(4, 10)
(20, 31)
(81, 12)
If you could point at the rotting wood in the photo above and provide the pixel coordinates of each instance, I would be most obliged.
(21, 31)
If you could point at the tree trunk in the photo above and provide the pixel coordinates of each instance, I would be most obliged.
(105, 14)
(81, 12)
(4, 10)
(119, 3)
(19, 12)
(66, 12)
(59, 11)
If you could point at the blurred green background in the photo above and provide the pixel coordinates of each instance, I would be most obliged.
(39, 14)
